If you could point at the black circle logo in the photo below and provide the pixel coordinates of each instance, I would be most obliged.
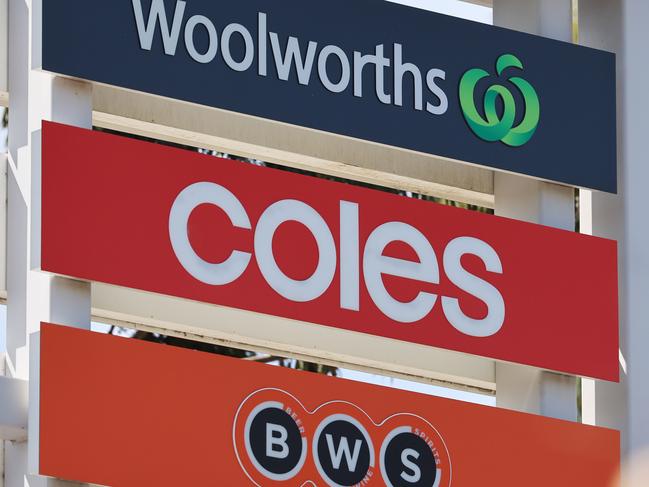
(342, 451)
(407, 460)
(274, 442)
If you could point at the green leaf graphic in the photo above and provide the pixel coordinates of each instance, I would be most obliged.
(491, 127)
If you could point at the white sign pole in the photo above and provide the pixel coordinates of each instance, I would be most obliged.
(620, 26)
(34, 296)
(4, 25)
(524, 388)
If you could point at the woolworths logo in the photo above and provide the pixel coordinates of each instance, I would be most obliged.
(495, 126)
(386, 75)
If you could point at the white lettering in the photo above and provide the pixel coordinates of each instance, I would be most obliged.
(415, 476)
(293, 210)
(424, 269)
(213, 43)
(380, 62)
(293, 55)
(440, 109)
(400, 70)
(479, 288)
(158, 13)
(349, 265)
(343, 83)
(375, 264)
(190, 198)
(273, 441)
(262, 36)
(249, 56)
(343, 449)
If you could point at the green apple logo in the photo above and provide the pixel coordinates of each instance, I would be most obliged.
(495, 127)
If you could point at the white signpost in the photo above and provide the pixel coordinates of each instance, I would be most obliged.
(4, 25)
(621, 26)
(523, 388)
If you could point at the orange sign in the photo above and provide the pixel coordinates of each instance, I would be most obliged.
(122, 412)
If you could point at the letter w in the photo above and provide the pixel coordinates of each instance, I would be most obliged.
(293, 53)
(157, 12)
(343, 449)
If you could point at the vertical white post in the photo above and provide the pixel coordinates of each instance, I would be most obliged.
(3, 44)
(2, 443)
(621, 26)
(517, 387)
(33, 296)
(4, 24)
(3, 220)
(600, 26)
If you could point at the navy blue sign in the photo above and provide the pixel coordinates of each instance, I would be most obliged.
(367, 69)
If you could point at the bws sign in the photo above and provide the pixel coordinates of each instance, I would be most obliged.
(204, 419)
(277, 439)
(274, 242)
(366, 69)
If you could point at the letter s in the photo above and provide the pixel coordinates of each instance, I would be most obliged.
(415, 476)
(442, 107)
(479, 288)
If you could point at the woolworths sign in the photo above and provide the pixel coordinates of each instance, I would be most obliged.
(367, 69)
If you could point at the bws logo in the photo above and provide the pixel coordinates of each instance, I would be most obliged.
(278, 441)
(494, 127)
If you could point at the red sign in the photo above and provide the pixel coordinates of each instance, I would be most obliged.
(124, 412)
(176, 222)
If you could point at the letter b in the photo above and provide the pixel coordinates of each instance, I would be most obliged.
(276, 436)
